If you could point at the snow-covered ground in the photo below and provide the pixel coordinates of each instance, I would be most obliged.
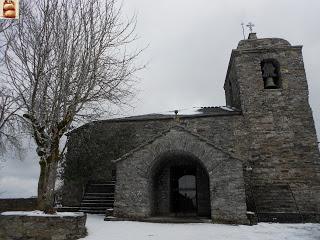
(99, 230)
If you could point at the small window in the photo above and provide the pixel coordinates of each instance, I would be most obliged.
(271, 74)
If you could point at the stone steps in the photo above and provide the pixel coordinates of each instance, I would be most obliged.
(91, 205)
(99, 194)
(100, 188)
(98, 197)
(90, 201)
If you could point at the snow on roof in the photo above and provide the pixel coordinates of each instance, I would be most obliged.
(227, 108)
(186, 112)
(195, 112)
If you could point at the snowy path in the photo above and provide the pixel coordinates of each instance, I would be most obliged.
(100, 230)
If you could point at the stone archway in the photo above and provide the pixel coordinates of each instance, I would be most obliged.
(134, 195)
(180, 186)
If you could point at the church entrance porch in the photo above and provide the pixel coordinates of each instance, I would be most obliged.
(181, 187)
(178, 174)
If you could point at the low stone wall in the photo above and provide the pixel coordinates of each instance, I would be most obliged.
(63, 226)
(18, 204)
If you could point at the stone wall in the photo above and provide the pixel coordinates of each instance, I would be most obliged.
(15, 227)
(203, 197)
(18, 204)
(231, 87)
(162, 190)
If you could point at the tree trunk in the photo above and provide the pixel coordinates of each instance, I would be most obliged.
(42, 183)
(46, 184)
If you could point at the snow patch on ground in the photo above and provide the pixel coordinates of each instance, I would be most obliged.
(124, 230)
(42, 214)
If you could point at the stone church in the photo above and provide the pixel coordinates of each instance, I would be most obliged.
(256, 158)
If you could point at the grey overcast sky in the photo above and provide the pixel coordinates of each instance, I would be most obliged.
(190, 43)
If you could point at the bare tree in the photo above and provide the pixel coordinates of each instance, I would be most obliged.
(10, 121)
(11, 126)
(67, 60)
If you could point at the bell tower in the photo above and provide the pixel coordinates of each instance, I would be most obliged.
(266, 80)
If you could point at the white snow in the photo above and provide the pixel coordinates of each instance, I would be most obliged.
(190, 111)
(42, 214)
(227, 108)
(124, 230)
(250, 213)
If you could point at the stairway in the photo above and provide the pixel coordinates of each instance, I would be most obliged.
(98, 197)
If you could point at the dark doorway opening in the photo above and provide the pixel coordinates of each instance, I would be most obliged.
(181, 187)
(183, 190)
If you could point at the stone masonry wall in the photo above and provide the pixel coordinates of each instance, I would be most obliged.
(15, 227)
(162, 194)
(203, 197)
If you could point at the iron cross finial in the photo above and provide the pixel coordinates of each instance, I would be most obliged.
(250, 25)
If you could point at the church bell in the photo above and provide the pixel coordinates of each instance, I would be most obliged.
(269, 83)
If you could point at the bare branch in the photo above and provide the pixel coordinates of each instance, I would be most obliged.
(10, 122)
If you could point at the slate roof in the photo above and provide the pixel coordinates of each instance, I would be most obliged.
(184, 113)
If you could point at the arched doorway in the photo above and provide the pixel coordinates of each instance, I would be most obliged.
(180, 186)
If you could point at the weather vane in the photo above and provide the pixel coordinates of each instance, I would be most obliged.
(250, 25)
